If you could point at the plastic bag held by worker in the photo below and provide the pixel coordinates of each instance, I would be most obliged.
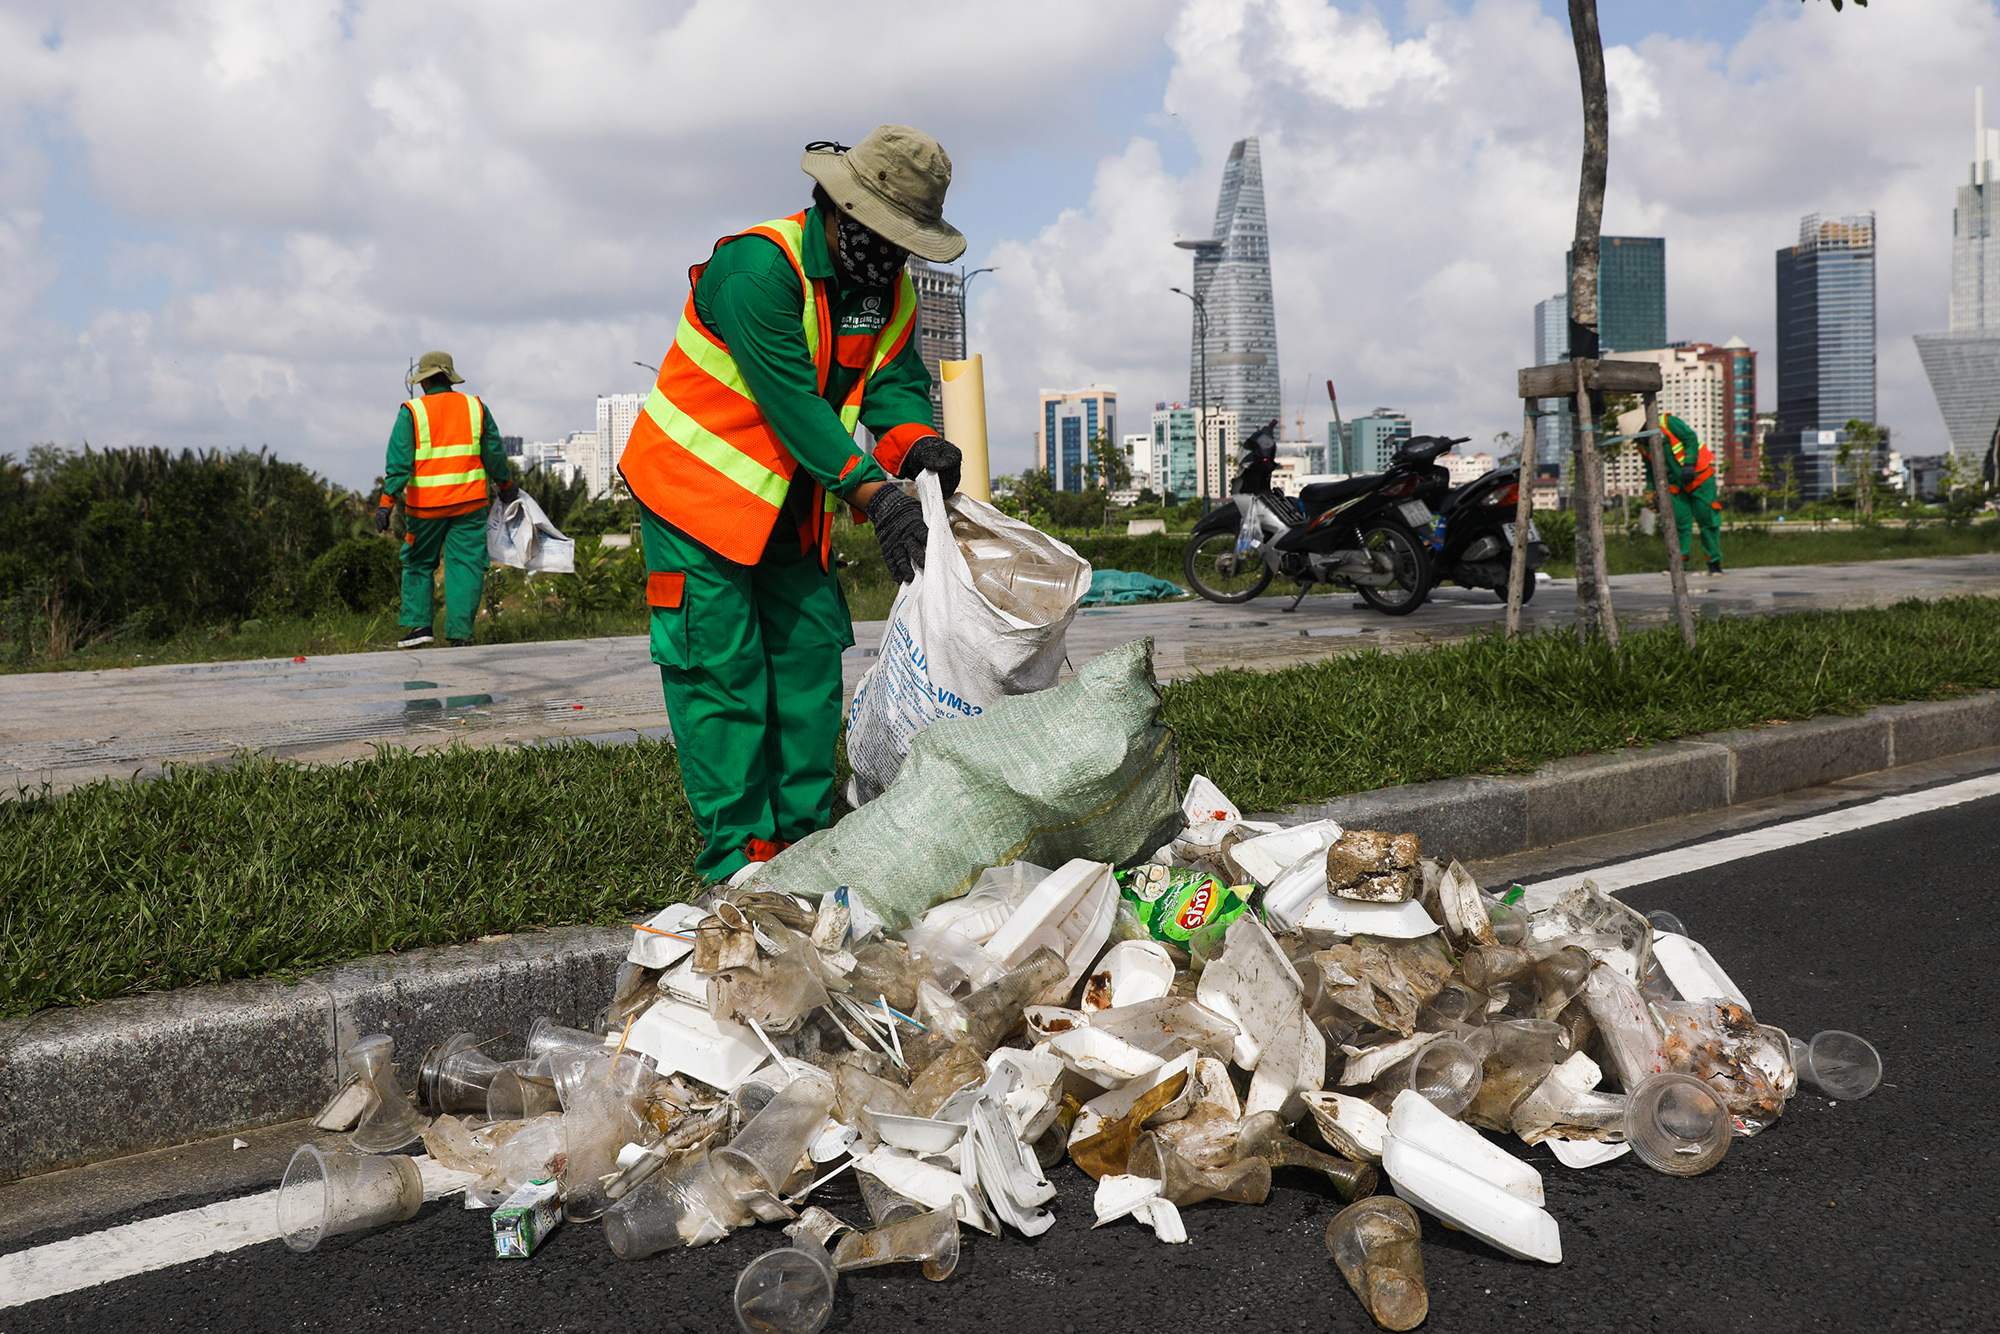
(992, 790)
(985, 617)
(518, 534)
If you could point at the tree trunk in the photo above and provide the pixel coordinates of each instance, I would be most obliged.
(1593, 597)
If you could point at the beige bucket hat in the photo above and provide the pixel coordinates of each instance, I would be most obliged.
(434, 363)
(892, 183)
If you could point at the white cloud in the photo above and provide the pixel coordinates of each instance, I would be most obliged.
(287, 201)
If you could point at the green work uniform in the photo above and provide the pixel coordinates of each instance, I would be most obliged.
(457, 540)
(1697, 506)
(750, 658)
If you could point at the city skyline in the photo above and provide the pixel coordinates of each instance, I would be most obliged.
(206, 263)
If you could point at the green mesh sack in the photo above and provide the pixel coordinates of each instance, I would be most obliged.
(1084, 769)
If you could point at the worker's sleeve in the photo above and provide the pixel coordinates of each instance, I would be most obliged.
(492, 454)
(757, 315)
(896, 408)
(402, 463)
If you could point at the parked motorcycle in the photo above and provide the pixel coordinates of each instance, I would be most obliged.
(1364, 533)
(1472, 544)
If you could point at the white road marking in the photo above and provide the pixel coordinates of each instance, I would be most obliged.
(156, 1243)
(1661, 865)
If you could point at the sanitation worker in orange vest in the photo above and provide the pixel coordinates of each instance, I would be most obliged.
(795, 331)
(1691, 483)
(442, 451)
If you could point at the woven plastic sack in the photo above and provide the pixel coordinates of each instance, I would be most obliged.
(520, 535)
(1085, 769)
(985, 617)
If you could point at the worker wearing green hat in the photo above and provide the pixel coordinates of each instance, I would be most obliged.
(1691, 482)
(442, 452)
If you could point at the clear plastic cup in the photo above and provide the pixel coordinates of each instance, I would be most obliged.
(765, 1151)
(927, 1237)
(1246, 1181)
(1445, 1072)
(1663, 920)
(1677, 1125)
(1840, 1065)
(1376, 1244)
(1262, 1135)
(1519, 1053)
(681, 1205)
(390, 1121)
(787, 1291)
(522, 1092)
(884, 1205)
(456, 1075)
(326, 1194)
(547, 1037)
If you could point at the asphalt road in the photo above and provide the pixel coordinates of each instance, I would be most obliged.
(1868, 1215)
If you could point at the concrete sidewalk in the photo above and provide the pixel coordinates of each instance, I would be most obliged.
(67, 728)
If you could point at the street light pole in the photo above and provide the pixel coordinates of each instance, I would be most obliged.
(1201, 403)
(965, 281)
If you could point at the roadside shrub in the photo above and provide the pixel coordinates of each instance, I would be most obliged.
(358, 573)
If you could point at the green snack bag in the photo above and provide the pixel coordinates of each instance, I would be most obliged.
(1183, 906)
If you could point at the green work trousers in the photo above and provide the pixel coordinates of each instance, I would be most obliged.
(460, 543)
(1700, 511)
(749, 659)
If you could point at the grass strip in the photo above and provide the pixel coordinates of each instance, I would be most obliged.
(1483, 705)
(270, 868)
(266, 867)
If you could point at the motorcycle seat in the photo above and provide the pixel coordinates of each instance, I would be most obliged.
(1322, 496)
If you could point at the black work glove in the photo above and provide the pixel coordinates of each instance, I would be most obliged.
(508, 491)
(938, 454)
(900, 531)
(382, 517)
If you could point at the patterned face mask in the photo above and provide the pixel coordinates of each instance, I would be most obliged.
(866, 257)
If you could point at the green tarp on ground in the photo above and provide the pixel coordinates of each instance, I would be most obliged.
(1114, 588)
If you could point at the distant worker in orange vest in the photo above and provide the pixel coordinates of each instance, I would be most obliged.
(795, 331)
(442, 452)
(1691, 482)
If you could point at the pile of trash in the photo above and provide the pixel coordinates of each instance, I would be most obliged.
(1246, 1000)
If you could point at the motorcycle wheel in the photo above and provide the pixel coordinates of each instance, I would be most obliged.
(1211, 565)
(1527, 590)
(1409, 562)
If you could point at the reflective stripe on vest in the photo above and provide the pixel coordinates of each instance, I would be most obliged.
(1704, 466)
(701, 454)
(447, 469)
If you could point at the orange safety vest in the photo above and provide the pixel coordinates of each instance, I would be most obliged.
(703, 457)
(448, 477)
(1704, 466)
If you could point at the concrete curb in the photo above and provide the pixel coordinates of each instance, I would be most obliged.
(77, 1086)
(1477, 818)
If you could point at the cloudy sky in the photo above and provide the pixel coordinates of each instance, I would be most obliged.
(233, 222)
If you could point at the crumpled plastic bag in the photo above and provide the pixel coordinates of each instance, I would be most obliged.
(519, 535)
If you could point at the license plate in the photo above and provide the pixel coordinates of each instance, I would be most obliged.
(1415, 513)
(1533, 534)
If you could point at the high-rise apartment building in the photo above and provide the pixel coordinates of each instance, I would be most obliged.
(1234, 367)
(1631, 294)
(1964, 364)
(616, 414)
(1193, 456)
(1826, 345)
(940, 326)
(1368, 442)
(1071, 419)
(1139, 459)
(1738, 449)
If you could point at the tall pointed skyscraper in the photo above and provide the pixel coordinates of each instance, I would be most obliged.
(1964, 365)
(1232, 279)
